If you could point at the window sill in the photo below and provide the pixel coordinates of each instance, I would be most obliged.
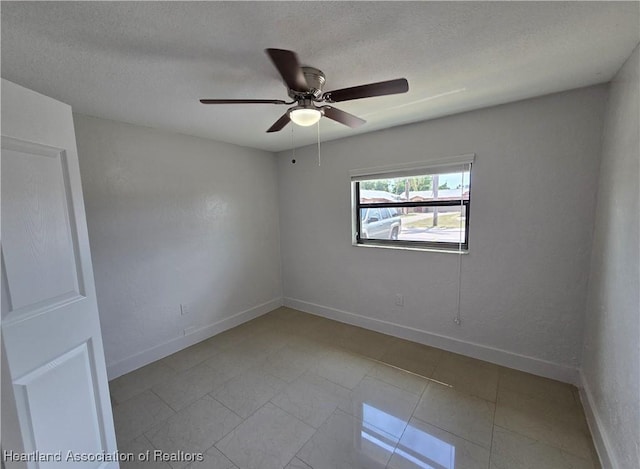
(409, 248)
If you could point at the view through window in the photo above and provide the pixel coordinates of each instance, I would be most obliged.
(424, 210)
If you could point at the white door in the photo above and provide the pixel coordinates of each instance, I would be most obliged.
(55, 396)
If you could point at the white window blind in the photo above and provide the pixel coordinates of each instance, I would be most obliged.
(455, 164)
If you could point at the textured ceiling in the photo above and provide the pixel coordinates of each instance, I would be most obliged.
(148, 63)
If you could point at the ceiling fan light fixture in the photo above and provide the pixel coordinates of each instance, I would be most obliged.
(305, 117)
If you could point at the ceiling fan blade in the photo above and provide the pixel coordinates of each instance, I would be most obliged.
(382, 88)
(242, 101)
(280, 123)
(343, 117)
(286, 62)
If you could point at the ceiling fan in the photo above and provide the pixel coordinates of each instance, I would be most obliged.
(305, 85)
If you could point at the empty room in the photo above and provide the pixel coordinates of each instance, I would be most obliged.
(320, 235)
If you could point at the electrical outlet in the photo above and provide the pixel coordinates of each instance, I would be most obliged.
(185, 308)
(399, 299)
(190, 330)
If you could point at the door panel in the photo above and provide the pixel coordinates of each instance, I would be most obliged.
(50, 326)
(41, 266)
(67, 381)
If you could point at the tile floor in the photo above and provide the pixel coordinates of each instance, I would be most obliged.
(292, 390)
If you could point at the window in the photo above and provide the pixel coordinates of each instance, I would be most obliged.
(425, 207)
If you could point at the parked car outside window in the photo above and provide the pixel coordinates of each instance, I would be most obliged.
(380, 223)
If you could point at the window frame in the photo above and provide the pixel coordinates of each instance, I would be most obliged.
(444, 246)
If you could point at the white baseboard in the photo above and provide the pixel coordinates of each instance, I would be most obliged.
(482, 352)
(175, 345)
(600, 439)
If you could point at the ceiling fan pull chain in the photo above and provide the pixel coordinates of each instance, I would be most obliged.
(318, 143)
(293, 147)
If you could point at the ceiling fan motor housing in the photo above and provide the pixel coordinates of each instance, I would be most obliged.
(315, 80)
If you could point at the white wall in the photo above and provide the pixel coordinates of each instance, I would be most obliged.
(532, 213)
(175, 219)
(611, 358)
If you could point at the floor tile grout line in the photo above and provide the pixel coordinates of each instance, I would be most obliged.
(418, 375)
(144, 433)
(349, 413)
(229, 409)
(568, 415)
(169, 405)
(244, 420)
(338, 384)
(240, 416)
(156, 424)
(544, 443)
(475, 443)
(119, 402)
(315, 430)
(493, 426)
(296, 417)
(222, 452)
(397, 387)
(337, 409)
(380, 362)
(413, 416)
(186, 349)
